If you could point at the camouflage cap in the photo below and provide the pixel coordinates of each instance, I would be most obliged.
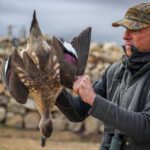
(137, 17)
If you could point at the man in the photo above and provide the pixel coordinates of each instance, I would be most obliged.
(121, 98)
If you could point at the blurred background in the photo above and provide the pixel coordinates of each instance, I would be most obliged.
(62, 18)
(65, 18)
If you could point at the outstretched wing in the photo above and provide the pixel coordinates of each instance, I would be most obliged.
(82, 44)
(11, 80)
(68, 68)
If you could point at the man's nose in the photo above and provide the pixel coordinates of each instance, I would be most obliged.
(127, 35)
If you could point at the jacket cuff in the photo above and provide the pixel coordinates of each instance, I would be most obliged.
(100, 108)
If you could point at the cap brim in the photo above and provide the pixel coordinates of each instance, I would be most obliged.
(130, 24)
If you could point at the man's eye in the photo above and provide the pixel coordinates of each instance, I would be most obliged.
(136, 31)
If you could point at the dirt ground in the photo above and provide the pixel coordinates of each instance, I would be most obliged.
(14, 139)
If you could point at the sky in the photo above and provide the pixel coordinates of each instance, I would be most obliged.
(66, 18)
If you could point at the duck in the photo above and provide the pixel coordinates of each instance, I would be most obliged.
(39, 71)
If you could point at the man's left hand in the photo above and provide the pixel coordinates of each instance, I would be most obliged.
(83, 87)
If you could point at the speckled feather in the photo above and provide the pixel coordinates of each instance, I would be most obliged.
(38, 69)
(41, 70)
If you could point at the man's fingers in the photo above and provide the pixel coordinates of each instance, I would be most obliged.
(81, 82)
(83, 77)
(75, 88)
(78, 78)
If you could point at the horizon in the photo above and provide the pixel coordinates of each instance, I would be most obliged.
(66, 18)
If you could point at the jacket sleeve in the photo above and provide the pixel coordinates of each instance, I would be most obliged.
(73, 107)
(134, 124)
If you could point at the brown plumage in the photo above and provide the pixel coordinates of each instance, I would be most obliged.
(41, 70)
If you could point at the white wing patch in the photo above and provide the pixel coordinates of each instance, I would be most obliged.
(6, 66)
(69, 47)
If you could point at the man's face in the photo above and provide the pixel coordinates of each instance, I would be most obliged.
(138, 38)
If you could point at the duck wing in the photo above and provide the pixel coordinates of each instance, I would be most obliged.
(11, 79)
(72, 56)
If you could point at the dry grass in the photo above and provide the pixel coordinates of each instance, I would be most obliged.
(11, 139)
(29, 144)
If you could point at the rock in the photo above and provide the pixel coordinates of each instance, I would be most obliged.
(91, 125)
(95, 46)
(31, 120)
(75, 127)
(111, 49)
(2, 88)
(30, 105)
(3, 100)
(15, 107)
(59, 122)
(101, 128)
(2, 114)
(14, 120)
(7, 93)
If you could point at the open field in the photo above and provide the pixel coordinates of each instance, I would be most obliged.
(12, 139)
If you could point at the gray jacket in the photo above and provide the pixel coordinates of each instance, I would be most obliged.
(122, 103)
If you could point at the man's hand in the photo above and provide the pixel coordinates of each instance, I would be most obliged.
(83, 87)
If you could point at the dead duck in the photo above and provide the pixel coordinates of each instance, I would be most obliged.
(40, 71)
